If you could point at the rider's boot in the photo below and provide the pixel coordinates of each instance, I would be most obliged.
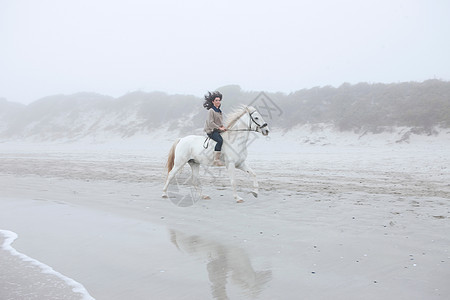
(217, 161)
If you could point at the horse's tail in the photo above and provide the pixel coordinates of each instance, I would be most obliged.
(171, 157)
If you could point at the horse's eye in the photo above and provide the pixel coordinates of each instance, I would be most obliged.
(256, 118)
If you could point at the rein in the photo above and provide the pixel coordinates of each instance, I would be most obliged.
(250, 124)
(206, 142)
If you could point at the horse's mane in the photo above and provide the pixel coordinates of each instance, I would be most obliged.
(232, 117)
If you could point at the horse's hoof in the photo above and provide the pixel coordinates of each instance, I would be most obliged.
(164, 195)
(206, 197)
(240, 201)
(255, 194)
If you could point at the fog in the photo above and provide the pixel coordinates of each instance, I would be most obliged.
(350, 192)
(117, 47)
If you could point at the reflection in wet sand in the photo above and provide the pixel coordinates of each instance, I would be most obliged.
(223, 263)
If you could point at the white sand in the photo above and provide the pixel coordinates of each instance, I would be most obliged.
(354, 221)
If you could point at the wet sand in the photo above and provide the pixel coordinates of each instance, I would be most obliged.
(341, 222)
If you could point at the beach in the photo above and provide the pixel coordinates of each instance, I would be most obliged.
(343, 221)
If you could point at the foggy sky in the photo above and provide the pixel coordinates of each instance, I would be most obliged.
(113, 47)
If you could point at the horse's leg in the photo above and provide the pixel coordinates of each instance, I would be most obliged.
(231, 168)
(170, 176)
(195, 179)
(247, 169)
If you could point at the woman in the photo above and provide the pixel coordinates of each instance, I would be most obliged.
(214, 123)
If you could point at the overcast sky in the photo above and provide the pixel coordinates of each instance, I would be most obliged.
(113, 47)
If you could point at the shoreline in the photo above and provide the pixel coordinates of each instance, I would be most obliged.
(22, 274)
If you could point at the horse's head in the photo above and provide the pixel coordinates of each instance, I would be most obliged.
(257, 122)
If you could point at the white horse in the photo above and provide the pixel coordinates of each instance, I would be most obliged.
(190, 149)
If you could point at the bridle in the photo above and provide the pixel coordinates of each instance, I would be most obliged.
(258, 126)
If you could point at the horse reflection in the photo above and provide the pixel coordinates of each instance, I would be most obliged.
(223, 263)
